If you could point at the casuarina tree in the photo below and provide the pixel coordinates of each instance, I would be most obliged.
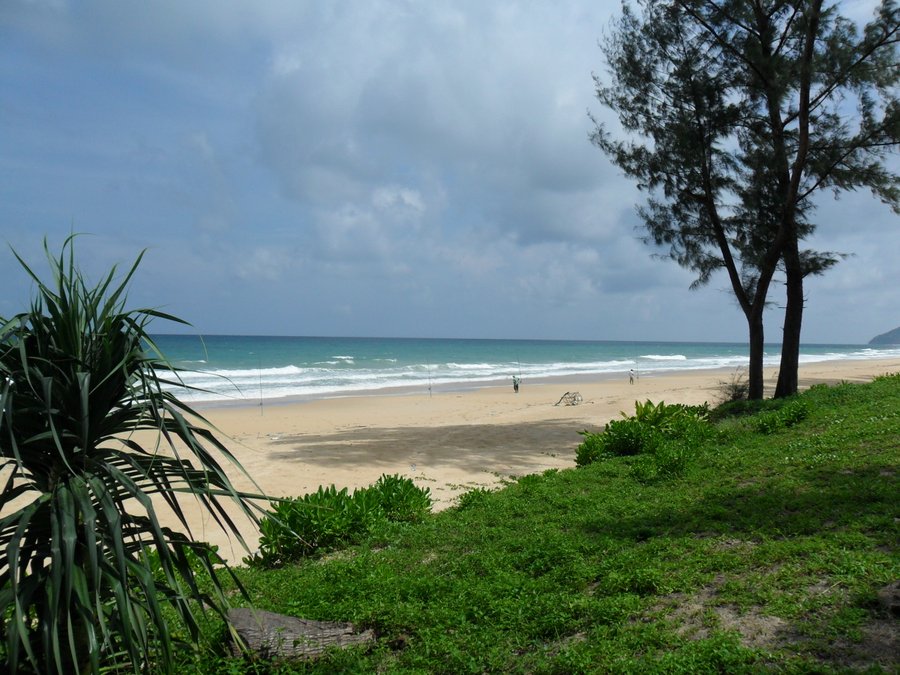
(90, 431)
(735, 115)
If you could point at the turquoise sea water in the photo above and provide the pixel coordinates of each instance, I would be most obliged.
(252, 368)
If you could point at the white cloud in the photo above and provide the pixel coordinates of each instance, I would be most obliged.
(399, 200)
(264, 263)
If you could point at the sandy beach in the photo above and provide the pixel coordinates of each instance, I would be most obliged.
(449, 442)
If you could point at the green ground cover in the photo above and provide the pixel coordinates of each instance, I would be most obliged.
(764, 551)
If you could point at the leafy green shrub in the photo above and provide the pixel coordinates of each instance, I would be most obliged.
(620, 438)
(472, 499)
(668, 460)
(321, 520)
(591, 449)
(690, 430)
(629, 437)
(664, 434)
(767, 423)
(330, 518)
(661, 415)
(796, 411)
(649, 413)
(674, 420)
(89, 578)
(400, 499)
(791, 413)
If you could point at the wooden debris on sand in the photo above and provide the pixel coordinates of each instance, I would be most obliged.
(570, 398)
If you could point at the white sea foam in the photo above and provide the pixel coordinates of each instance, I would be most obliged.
(319, 381)
(855, 355)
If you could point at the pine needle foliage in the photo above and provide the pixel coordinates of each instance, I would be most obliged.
(89, 577)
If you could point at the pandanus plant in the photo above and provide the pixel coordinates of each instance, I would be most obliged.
(86, 568)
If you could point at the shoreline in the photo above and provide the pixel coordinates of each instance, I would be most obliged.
(448, 441)
(202, 405)
(442, 388)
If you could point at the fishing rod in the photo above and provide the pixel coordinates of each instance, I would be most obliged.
(259, 374)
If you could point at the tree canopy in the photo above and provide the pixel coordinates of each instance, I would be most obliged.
(736, 114)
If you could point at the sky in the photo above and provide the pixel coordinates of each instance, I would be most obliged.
(388, 168)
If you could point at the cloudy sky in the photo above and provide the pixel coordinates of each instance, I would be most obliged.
(363, 168)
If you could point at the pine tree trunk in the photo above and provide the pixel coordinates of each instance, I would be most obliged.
(793, 318)
(757, 349)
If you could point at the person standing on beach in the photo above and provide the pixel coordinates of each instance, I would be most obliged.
(631, 376)
(515, 384)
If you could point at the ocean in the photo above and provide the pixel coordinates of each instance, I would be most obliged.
(247, 369)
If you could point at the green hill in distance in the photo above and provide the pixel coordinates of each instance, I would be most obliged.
(892, 337)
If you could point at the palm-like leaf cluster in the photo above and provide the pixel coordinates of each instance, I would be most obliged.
(86, 568)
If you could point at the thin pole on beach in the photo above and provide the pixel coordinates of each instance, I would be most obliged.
(259, 374)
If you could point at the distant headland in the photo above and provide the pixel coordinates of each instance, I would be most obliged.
(892, 337)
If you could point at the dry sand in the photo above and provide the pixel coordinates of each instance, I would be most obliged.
(450, 442)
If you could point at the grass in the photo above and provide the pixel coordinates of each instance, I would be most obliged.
(765, 554)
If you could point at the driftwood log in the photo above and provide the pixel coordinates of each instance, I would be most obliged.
(276, 636)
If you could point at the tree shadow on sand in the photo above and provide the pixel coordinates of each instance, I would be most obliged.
(481, 446)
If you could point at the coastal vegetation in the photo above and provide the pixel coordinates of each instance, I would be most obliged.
(768, 549)
(89, 578)
(737, 116)
(665, 436)
(332, 518)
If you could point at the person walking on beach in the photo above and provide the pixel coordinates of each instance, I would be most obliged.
(515, 384)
